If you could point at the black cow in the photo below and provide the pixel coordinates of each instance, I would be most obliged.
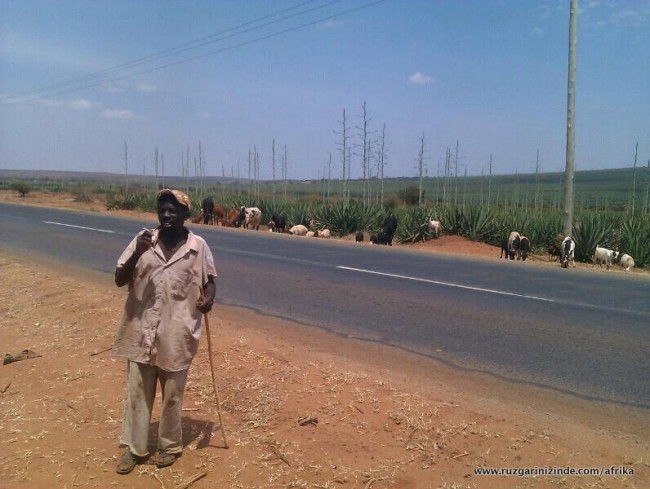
(358, 237)
(279, 223)
(381, 238)
(524, 247)
(207, 207)
(504, 248)
(388, 230)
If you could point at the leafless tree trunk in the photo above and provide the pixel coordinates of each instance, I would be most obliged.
(155, 164)
(344, 154)
(636, 153)
(489, 199)
(126, 169)
(273, 167)
(421, 168)
(382, 162)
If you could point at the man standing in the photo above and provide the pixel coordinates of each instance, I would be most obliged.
(170, 272)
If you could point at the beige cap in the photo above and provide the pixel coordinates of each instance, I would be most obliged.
(180, 197)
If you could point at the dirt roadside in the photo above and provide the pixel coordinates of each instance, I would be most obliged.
(301, 408)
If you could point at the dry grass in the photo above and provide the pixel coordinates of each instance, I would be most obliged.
(305, 419)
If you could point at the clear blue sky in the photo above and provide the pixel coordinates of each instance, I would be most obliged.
(77, 81)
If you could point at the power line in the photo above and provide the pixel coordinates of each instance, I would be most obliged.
(168, 52)
(38, 93)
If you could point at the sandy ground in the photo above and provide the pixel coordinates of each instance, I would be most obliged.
(301, 408)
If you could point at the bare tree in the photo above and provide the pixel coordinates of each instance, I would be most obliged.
(273, 167)
(421, 169)
(570, 132)
(126, 169)
(489, 183)
(155, 164)
(343, 148)
(382, 161)
(636, 153)
(364, 134)
(285, 170)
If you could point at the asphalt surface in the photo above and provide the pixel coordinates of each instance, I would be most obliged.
(582, 332)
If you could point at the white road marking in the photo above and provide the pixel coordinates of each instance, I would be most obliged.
(447, 284)
(79, 227)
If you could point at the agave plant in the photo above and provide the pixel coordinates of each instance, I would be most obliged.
(635, 240)
(589, 231)
(343, 218)
(412, 225)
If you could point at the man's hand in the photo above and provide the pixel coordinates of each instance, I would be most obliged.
(144, 241)
(205, 305)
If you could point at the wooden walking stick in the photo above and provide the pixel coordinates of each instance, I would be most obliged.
(214, 382)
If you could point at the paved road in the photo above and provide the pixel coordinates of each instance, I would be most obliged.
(577, 331)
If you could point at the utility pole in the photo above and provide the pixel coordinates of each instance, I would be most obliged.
(570, 129)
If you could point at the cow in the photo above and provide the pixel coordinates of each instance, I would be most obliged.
(627, 262)
(233, 219)
(554, 251)
(278, 223)
(358, 237)
(434, 226)
(219, 214)
(568, 252)
(514, 244)
(298, 230)
(251, 217)
(207, 207)
(524, 247)
(388, 230)
(504, 248)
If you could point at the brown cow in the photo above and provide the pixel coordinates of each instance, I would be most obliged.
(233, 219)
(219, 214)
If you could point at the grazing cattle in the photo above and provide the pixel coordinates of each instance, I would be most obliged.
(524, 247)
(324, 233)
(504, 248)
(381, 238)
(434, 226)
(568, 252)
(251, 217)
(310, 234)
(627, 262)
(514, 243)
(207, 207)
(298, 230)
(554, 251)
(278, 223)
(358, 237)
(234, 219)
(388, 231)
(603, 255)
(219, 214)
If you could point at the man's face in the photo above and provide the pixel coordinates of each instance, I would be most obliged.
(171, 214)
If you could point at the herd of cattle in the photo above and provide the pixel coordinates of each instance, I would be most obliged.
(515, 246)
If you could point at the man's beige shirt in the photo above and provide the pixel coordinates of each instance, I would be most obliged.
(161, 324)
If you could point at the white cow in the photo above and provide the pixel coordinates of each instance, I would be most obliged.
(252, 218)
(298, 230)
(627, 262)
(434, 226)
